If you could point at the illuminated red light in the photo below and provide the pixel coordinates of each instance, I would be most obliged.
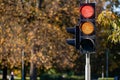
(87, 11)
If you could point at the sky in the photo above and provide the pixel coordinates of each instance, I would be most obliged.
(115, 9)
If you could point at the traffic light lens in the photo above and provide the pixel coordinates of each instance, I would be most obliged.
(87, 28)
(87, 11)
(87, 45)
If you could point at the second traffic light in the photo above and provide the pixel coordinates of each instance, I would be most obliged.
(75, 41)
(87, 27)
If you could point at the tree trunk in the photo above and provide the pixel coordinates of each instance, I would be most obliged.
(4, 75)
(25, 73)
(39, 4)
(23, 66)
(33, 69)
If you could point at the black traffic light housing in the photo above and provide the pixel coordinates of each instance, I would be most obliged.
(75, 41)
(87, 27)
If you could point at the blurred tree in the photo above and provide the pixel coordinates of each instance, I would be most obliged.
(38, 27)
(108, 34)
(22, 23)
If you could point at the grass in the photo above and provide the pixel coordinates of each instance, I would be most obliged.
(27, 78)
(19, 78)
(105, 78)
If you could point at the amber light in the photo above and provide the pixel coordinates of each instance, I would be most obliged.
(87, 28)
(87, 11)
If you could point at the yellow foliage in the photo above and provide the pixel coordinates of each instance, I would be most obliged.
(17, 72)
(110, 23)
(105, 18)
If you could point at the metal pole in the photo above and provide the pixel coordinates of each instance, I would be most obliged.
(102, 72)
(87, 67)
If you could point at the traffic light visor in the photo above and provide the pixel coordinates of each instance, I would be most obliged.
(87, 11)
(87, 28)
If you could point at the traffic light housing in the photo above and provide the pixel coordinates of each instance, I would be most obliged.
(74, 42)
(87, 27)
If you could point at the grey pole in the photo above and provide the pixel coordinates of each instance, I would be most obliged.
(87, 67)
(102, 72)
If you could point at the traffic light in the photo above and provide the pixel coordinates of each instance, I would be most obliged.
(75, 41)
(87, 27)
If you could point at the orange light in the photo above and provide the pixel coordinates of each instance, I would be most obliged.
(87, 28)
(87, 11)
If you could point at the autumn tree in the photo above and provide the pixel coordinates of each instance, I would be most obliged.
(23, 26)
(39, 30)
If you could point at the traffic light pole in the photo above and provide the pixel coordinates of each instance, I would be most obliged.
(87, 67)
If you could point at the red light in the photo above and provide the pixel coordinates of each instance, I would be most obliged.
(87, 11)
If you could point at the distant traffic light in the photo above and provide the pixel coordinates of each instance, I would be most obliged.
(75, 41)
(87, 27)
